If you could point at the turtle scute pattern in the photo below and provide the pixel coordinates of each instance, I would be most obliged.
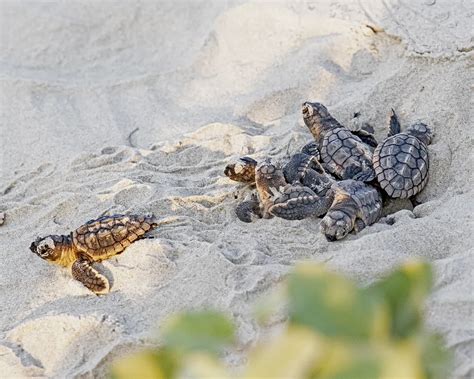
(94, 241)
(341, 148)
(343, 153)
(111, 235)
(401, 165)
(367, 198)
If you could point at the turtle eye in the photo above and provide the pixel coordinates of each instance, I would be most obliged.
(44, 250)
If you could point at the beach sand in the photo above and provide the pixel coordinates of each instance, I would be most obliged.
(137, 107)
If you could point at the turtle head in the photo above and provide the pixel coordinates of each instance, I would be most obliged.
(421, 131)
(314, 115)
(241, 170)
(335, 225)
(311, 110)
(47, 248)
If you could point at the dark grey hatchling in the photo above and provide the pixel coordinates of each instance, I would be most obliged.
(353, 206)
(343, 153)
(284, 193)
(278, 198)
(94, 241)
(401, 161)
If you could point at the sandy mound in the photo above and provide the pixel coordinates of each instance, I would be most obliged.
(204, 83)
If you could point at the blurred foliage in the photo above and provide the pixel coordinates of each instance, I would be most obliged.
(336, 330)
(205, 331)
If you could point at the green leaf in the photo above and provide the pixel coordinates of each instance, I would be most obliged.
(168, 361)
(437, 361)
(199, 331)
(404, 291)
(332, 305)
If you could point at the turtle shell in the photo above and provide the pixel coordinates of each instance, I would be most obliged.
(367, 197)
(346, 155)
(401, 165)
(110, 235)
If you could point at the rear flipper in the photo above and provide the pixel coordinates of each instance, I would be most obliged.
(248, 210)
(297, 203)
(394, 124)
(83, 271)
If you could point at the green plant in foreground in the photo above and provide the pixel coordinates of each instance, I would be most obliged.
(336, 330)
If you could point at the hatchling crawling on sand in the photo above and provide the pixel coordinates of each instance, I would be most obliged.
(343, 153)
(292, 192)
(94, 241)
(401, 161)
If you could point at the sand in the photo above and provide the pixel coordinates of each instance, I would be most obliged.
(137, 107)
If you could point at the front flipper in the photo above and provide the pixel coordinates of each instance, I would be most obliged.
(359, 225)
(363, 172)
(366, 137)
(297, 203)
(248, 210)
(83, 271)
(312, 149)
(319, 183)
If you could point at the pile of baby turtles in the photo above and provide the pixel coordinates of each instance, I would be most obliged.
(343, 175)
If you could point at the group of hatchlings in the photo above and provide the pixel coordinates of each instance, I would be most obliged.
(343, 175)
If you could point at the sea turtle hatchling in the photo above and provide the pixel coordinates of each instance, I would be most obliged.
(343, 153)
(302, 168)
(401, 161)
(276, 197)
(94, 241)
(353, 206)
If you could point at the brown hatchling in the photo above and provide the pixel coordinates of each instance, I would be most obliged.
(94, 241)
(401, 161)
(343, 153)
